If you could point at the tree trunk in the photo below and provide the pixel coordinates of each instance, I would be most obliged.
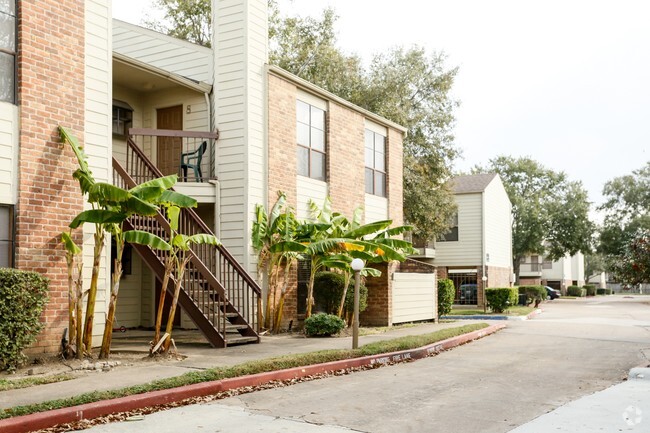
(279, 311)
(92, 291)
(172, 310)
(169, 267)
(72, 307)
(79, 305)
(516, 263)
(107, 339)
(345, 292)
(310, 290)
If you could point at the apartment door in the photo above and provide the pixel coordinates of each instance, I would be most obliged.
(169, 148)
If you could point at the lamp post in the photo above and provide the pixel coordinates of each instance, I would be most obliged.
(484, 279)
(356, 265)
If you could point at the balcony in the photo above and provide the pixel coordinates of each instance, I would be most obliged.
(530, 269)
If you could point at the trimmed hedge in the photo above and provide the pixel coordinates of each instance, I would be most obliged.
(535, 294)
(501, 299)
(576, 291)
(446, 296)
(23, 296)
(590, 288)
(323, 325)
(328, 289)
(600, 291)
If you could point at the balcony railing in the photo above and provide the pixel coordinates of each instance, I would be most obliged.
(189, 154)
(530, 267)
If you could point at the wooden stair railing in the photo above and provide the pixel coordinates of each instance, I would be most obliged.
(220, 297)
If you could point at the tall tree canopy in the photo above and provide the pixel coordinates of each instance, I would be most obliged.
(626, 224)
(550, 213)
(405, 85)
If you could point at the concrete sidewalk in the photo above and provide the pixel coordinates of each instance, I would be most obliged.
(622, 407)
(200, 356)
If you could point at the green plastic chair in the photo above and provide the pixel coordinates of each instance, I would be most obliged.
(192, 160)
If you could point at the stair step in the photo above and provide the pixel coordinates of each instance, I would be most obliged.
(240, 340)
(230, 328)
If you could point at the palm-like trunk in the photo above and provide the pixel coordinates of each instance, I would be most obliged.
(345, 292)
(107, 339)
(180, 271)
(169, 267)
(79, 312)
(279, 311)
(72, 322)
(92, 291)
(310, 288)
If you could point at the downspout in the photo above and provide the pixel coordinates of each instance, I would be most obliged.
(213, 176)
(483, 276)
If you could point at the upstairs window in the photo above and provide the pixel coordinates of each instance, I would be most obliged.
(310, 131)
(8, 25)
(7, 236)
(452, 234)
(375, 163)
(122, 118)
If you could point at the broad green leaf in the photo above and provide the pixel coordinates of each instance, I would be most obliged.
(288, 246)
(370, 272)
(180, 241)
(164, 182)
(69, 244)
(139, 207)
(85, 179)
(259, 231)
(173, 215)
(146, 238)
(97, 216)
(149, 194)
(177, 199)
(68, 137)
(203, 238)
(104, 193)
(368, 229)
(276, 210)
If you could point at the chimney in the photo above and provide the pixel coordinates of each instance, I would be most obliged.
(239, 41)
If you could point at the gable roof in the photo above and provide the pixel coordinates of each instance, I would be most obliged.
(471, 183)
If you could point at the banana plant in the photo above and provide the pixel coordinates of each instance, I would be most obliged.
(75, 296)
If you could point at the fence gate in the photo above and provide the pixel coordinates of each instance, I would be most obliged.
(466, 287)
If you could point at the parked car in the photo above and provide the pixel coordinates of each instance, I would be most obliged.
(552, 293)
(468, 294)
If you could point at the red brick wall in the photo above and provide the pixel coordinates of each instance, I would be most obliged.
(345, 171)
(50, 92)
(380, 297)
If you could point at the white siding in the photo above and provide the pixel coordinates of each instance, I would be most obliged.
(8, 153)
(414, 297)
(240, 39)
(498, 225)
(561, 270)
(147, 298)
(164, 52)
(97, 134)
(129, 301)
(578, 268)
(203, 192)
(309, 189)
(376, 208)
(467, 250)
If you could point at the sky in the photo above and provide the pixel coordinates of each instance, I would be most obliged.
(566, 82)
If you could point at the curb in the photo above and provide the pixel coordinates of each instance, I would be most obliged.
(41, 420)
(485, 317)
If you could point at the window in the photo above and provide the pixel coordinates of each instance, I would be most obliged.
(547, 264)
(8, 51)
(303, 271)
(122, 118)
(7, 236)
(452, 234)
(375, 163)
(310, 131)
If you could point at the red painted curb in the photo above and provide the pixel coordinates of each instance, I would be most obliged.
(36, 421)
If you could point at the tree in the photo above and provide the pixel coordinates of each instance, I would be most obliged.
(594, 265)
(550, 213)
(632, 265)
(184, 19)
(407, 86)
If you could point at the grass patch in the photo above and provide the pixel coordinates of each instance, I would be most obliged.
(32, 381)
(252, 367)
(382, 329)
(517, 310)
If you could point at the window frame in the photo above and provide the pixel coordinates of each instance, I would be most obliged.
(126, 122)
(372, 189)
(13, 54)
(11, 240)
(311, 150)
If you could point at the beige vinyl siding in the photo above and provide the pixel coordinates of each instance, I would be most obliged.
(376, 208)
(97, 135)
(239, 114)
(578, 268)
(147, 298)
(171, 54)
(8, 153)
(414, 297)
(129, 306)
(560, 269)
(498, 225)
(467, 250)
(135, 100)
(309, 189)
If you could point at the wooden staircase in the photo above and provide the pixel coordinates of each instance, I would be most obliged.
(220, 297)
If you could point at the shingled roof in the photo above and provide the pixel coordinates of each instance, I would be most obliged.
(471, 183)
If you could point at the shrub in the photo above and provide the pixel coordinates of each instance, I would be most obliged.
(328, 289)
(608, 291)
(22, 298)
(535, 294)
(576, 291)
(590, 288)
(323, 325)
(600, 291)
(500, 299)
(446, 296)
